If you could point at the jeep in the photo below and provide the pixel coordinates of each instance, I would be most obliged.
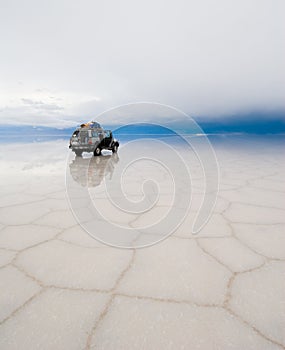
(91, 137)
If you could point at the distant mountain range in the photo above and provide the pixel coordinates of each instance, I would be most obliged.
(248, 124)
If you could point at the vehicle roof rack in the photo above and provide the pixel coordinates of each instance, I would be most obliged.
(91, 124)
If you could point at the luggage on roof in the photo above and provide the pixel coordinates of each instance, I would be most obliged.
(90, 125)
(94, 125)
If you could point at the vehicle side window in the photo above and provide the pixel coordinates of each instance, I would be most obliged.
(107, 133)
(94, 134)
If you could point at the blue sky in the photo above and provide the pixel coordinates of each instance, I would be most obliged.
(64, 61)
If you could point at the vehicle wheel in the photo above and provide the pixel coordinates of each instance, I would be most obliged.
(78, 153)
(97, 151)
(115, 149)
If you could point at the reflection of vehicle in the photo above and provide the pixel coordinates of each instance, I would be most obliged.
(91, 137)
(90, 172)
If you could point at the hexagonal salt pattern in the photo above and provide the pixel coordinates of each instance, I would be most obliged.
(268, 240)
(21, 214)
(220, 289)
(12, 293)
(176, 269)
(55, 319)
(24, 236)
(6, 256)
(58, 263)
(232, 253)
(78, 236)
(150, 324)
(258, 297)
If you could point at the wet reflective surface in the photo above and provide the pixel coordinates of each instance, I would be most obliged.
(61, 288)
(90, 172)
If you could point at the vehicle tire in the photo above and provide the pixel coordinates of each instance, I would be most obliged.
(78, 153)
(115, 149)
(97, 151)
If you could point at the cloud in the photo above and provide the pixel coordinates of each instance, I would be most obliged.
(28, 111)
(42, 106)
(27, 116)
(28, 101)
(76, 59)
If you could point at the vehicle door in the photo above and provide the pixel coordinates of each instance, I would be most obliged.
(107, 138)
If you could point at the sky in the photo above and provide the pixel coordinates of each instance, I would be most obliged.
(66, 61)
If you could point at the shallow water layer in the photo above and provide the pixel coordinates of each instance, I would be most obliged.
(220, 288)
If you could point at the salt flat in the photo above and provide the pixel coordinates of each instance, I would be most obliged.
(222, 288)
